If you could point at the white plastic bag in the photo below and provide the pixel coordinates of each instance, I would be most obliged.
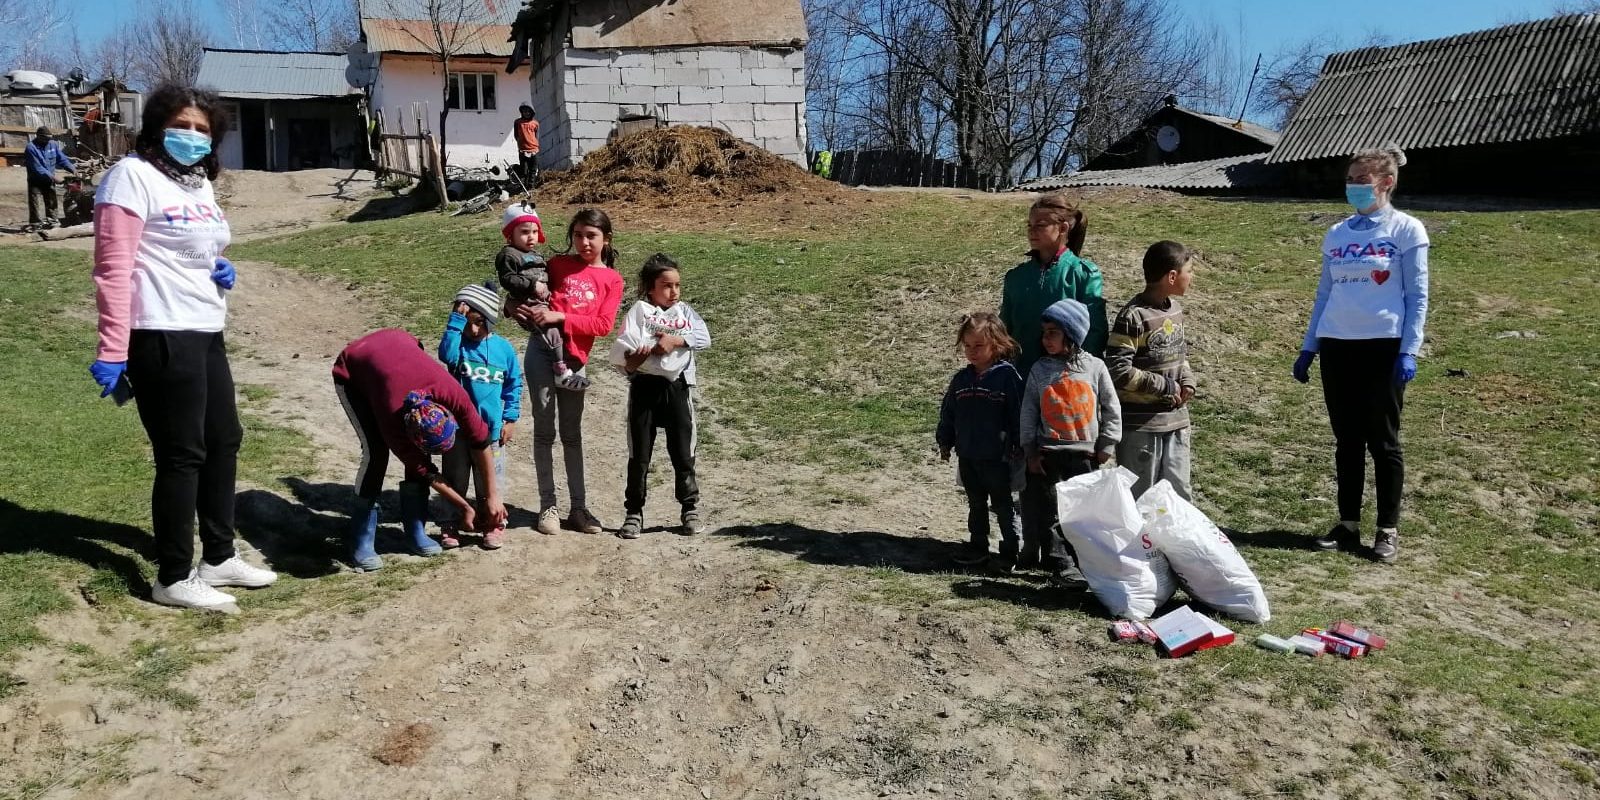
(1209, 565)
(1101, 520)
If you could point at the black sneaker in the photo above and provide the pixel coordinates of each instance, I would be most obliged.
(1387, 546)
(1068, 577)
(1338, 537)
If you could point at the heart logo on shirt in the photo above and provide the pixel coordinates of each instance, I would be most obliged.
(1380, 275)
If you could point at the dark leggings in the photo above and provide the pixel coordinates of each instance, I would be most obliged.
(1040, 533)
(655, 402)
(184, 392)
(1364, 402)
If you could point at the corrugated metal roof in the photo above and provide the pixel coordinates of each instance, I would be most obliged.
(416, 36)
(1534, 80)
(1250, 129)
(482, 12)
(256, 74)
(1236, 172)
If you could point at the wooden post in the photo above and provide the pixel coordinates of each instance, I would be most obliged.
(436, 167)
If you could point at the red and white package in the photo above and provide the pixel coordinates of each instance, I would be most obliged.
(1345, 630)
(1127, 631)
(1343, 647)
(1220, 636)
(1180, 632)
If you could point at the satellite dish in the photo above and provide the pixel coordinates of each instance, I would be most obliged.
(1167, 139)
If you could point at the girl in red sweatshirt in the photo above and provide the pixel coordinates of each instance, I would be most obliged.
(586, 292)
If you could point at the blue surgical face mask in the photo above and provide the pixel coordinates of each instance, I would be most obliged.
(186, 147)
(1361, 195)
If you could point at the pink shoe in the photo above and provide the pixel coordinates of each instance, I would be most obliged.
(447, 537)
(495, 539)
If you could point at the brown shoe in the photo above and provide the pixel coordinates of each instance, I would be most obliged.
(581, 520)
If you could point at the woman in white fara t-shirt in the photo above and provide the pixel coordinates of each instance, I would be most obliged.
(161, 286)
(1367, 325)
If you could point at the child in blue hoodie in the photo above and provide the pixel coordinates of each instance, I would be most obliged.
(487, 367)
(978, 419)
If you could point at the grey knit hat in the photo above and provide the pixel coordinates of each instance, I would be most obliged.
(1073, 318)
(483, 299)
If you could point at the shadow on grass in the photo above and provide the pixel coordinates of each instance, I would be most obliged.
(915, 554)
(97, 544)
(381, 208)
(1042, 597)
(1275, 539)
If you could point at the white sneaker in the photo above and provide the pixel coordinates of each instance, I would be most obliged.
(191, 592)
(236, 572)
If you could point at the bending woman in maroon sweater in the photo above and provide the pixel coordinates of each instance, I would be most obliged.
(400, 400)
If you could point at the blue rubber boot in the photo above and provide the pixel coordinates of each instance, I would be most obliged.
(363, 535)
(414, 519)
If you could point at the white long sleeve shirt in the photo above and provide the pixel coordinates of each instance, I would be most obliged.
(645, 322)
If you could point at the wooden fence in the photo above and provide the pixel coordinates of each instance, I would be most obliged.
(414, 155)
(905, 168)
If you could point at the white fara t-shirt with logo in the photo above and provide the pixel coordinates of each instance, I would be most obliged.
(184, 233)
(1367, 292)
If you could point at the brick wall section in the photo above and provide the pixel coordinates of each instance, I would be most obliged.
(755, 94)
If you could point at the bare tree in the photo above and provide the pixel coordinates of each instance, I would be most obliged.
(445, 29)
(165, 41)
(1289, 75)
(31, 33)
(328, 26)
(244, 23)
(1005, 85)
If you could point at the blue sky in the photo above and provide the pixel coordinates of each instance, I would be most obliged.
(1261, 25)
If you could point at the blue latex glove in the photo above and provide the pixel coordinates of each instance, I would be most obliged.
(223, 274)
(1302, 366)
(1405, 368)
(107, 373)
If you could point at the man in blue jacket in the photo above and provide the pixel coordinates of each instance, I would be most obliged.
(43, 156)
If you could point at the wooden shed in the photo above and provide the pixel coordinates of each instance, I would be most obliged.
(1177, 135)
(1513, 110)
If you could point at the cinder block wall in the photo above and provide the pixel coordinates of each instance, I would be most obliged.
(757, 95)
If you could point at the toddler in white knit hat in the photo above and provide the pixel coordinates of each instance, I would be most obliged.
(525, 278)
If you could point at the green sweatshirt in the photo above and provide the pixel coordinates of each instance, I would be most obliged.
(1030, 288)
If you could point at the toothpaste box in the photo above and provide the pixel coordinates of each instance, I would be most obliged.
(1345, 630)
(1310, 645)
(1180, 632)
(1269, 642)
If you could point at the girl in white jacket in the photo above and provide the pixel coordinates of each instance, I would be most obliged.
(656, 351)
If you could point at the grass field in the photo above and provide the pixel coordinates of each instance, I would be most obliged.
(833, 344)
(836, 343)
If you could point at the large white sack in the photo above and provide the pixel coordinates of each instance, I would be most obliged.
(1209, 565)
(1101, 520)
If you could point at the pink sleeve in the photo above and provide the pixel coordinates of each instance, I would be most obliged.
(116, 239)
(605, 321)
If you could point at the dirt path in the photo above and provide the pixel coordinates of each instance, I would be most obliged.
(559, 666)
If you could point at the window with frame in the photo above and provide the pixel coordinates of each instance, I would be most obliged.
(471, 91)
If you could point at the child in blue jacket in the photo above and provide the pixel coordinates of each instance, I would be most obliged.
(979, 419)
(487, 367)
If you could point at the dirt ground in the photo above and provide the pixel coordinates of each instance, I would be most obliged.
(668, 667)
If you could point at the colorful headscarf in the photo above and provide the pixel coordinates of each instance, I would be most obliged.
(431, 426)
